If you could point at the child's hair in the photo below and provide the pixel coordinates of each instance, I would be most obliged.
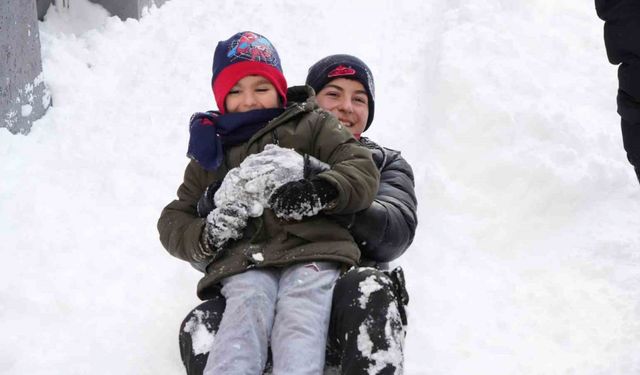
(245, 53)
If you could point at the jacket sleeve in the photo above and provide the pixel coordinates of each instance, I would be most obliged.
(179, 225)
(386, 229)
(353, 172)
(622, 41)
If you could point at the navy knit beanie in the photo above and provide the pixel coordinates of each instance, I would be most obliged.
(245, 53)
(343, 66)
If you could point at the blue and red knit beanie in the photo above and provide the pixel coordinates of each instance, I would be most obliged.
(343, 66)
(245, 53)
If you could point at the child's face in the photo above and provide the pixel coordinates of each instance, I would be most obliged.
(348, 101)
(251, 92)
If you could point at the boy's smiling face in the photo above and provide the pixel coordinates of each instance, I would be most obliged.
(348, 101)
(251, 92)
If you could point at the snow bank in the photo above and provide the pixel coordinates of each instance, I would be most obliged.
(525, 261)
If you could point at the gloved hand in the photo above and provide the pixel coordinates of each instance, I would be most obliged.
(206, 203)
(297, 199)
(223, 225)
(206, 251)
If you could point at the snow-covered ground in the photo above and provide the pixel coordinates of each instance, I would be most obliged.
(526, 258)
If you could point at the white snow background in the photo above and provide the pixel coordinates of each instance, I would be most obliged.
(526, 257)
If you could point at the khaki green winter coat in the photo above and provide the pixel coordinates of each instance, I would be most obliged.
(269, 241)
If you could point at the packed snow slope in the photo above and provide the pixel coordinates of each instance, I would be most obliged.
(526, 257)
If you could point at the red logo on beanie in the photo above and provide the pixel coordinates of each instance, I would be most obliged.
(342, 70)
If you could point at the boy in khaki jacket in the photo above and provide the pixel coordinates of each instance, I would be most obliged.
(276, 271)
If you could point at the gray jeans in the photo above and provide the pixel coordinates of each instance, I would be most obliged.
(288, 308)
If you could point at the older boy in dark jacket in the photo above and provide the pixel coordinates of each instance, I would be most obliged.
(622, 40)
(368, 301)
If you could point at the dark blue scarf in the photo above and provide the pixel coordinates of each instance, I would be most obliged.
(210, 132)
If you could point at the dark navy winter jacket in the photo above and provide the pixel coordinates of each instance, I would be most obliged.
(622, 40)
(386, 229)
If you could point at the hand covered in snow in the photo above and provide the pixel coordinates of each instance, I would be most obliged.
(245, 192)
(266, 171)
(296, 199)
(258, 175)
(206, 251)
(223, 225)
